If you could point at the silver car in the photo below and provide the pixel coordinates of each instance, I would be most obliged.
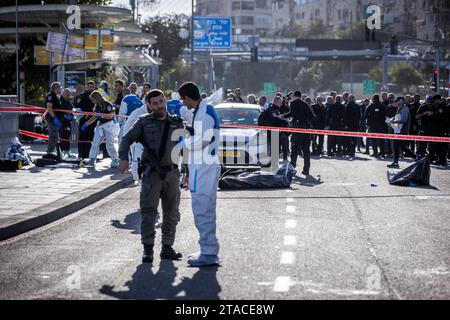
(241, 148)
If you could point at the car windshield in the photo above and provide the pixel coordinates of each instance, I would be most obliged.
(238, 116)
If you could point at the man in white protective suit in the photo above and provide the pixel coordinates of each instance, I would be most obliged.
(203, 173)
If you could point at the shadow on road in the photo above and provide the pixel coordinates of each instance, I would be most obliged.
(132, 222)
(148, 285)
(309, 181)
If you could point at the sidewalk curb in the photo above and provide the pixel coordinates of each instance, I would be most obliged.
(62, 207)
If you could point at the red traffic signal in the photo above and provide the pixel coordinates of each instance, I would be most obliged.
(436, 72)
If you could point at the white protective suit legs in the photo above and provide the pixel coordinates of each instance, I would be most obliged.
(203, 183)
(204, 174)
(109, 131)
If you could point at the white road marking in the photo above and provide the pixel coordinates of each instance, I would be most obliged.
(287, 257)
(289, 199)
(282, 284)
(290, 240)
(290, 224)
(290, 209)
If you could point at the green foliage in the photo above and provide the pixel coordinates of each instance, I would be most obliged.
(169, 43)
(307, 79)
(355, 32)
(404, 73)
(375, 74)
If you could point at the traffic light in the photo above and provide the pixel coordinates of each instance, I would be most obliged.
(394, 45)
(434, 85)
(254, 52)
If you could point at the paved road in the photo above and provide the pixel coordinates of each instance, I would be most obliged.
(330, 236)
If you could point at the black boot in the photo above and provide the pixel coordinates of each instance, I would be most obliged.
(168, 253)
(147, 256)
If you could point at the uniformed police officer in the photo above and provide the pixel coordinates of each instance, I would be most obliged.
(302, 117)
(53, 118)
(160, 173)
(85, 103)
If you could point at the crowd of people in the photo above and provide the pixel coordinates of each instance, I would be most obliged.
(408, 115)
(114, 103)
(385, 113)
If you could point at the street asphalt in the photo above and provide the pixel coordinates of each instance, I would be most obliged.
(342, 233)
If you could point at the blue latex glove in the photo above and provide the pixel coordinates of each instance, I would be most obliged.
(56, 122)
(84, 127)
(68, 117)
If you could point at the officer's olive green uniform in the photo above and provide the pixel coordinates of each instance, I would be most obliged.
(160, 174)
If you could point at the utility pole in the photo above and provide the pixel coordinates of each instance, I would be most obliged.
(17, 54)
(192, 40)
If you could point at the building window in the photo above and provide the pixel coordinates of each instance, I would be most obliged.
(236, 5)
(317, 12)
(297, 16)
(303, 15)
(261, 4)
(245, 5)
(247, 20)
(339, 14)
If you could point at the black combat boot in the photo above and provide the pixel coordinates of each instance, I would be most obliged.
(168, 253)
(147, 256)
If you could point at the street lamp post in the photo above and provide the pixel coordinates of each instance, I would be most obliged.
(17, 54)
(192, 40)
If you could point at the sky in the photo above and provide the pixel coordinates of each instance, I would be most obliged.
(164, 6)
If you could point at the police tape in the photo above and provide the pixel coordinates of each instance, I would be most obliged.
(31, 108)
(44, 137)
(343, 133)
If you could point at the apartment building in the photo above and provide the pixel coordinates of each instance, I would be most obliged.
(248, 16)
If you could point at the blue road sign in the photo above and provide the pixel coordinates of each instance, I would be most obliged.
(212, 31)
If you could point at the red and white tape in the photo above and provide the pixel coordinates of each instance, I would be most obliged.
(343, 133)
(31, 108)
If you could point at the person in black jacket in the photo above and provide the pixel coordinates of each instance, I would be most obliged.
(414, 128)
(423, 117)
(362, 126)
(319, 123)
(85, 103)
(65, 130)
(335, 117)
(271, 118)
(351, 122)
(302, 117)
(440, 118)
(376, 122)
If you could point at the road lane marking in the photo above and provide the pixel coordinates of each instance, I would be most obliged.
(289, 199)
(282, 284)
(287, 257)
(290, 224)
(290, 240)
(290, 209)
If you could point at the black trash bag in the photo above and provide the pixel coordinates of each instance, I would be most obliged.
(259, 180)
(417, 173)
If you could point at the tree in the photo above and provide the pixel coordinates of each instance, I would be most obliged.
(169, 43)
(355, 32)
(406, 74)
(375, 74)
(307, 79)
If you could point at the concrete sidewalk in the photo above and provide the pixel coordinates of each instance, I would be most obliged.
(33, 197)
